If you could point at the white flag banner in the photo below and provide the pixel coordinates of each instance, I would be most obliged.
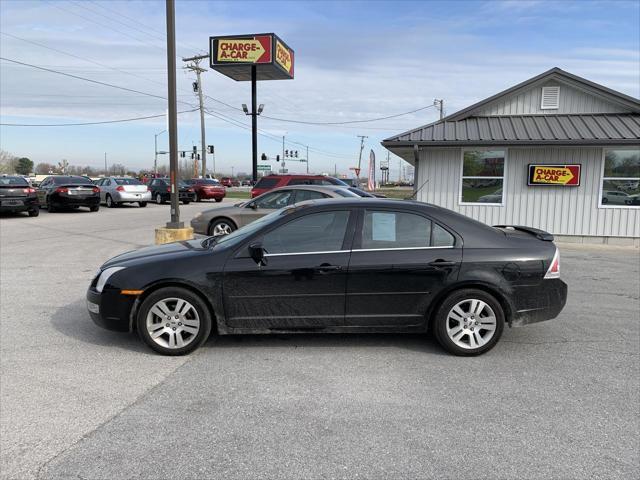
(371, 184)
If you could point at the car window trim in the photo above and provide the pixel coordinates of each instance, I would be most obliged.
(306, 253)
(399, 248)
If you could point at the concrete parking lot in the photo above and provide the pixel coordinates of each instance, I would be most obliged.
(559, 399)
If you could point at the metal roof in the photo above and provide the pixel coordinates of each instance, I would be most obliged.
(576, 129)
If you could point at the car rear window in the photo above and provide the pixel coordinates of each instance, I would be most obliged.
(209, 182)
(13, 181)
(128, 181)
(267, 182)
(72, 180)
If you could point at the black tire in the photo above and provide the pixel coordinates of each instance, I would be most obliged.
(212, 226)
(159, 199)
(142, 204)
(50, 206)
(34, 213)
(186, 202)
(198, 199)
(218, 200)
(441, 320)
(94, 208)
(109, 201)
(180, 293)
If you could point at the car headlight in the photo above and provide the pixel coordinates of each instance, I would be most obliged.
(104, 276)
(198, 215)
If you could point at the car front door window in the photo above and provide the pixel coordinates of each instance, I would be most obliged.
(274, 200)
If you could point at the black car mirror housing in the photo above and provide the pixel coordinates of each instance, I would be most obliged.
(256, 251)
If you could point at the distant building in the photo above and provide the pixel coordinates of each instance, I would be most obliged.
(556, 152)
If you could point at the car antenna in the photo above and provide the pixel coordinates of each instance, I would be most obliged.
(415, 159)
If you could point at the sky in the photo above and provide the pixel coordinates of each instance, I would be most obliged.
(354, 61)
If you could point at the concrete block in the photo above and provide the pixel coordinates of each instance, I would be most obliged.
(169, 235)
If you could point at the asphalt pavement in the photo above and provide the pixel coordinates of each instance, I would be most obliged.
(559, 399)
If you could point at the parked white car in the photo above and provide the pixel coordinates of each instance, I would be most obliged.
(615, 198)
(117, 190)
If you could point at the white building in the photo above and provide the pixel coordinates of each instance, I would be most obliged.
(556, 152)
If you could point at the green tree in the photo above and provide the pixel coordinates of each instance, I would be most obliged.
(24, 166)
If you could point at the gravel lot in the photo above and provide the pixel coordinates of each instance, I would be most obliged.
(555, 400)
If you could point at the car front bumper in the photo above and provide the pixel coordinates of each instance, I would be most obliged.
(110, 309)
(132, 197)
(200, 225)
(540, 303)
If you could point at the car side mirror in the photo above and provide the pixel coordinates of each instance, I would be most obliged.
(253, 206)
(256, 251)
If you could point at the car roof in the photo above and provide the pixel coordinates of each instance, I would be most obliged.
(315, 188)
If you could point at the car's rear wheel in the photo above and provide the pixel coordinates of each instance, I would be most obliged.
(469, 322)
(109, 201)
(159, 199)
(142, 204)
(94, 208)
(218, 200)
(186, 202)
(34, 212)
(221, 227)
(174, 321)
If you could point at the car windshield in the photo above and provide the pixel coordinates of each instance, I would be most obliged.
(359, 193)
(128, 181)
(209, 182)
(335, 181)
(72, 180)
(182, 183)
(345, 192)
(13, 181)
(234, 238)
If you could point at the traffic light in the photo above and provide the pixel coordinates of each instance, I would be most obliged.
(211, 149)
(264, 157)
(195, 149)
(195, 87)
(193, 156)
(296, 153)
(183, 154)
(277, 158)
(286, 153)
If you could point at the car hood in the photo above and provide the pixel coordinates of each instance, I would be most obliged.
(156, 252)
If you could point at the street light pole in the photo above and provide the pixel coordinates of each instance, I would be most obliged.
(173, 114)
(155, 160)
(307, 158)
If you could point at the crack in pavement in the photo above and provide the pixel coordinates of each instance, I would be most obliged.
(116, 415)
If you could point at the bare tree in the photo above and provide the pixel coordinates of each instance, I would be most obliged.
(8, 162)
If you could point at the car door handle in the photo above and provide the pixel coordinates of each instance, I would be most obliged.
(325, 267)
(442, 263)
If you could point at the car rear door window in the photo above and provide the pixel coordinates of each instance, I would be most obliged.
(303, 195)
(266, 182)
(387, 229)
(318, 232)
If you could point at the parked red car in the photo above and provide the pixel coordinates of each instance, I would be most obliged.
(270, 182)
(206, 189)
(229, 182)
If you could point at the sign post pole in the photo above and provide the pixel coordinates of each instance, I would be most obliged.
(254, 123)
(173, 116)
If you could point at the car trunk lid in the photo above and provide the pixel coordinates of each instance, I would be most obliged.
(522, 231)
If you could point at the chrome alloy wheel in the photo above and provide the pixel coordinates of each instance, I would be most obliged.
(471, 323)
(173, 323)
(221, 228)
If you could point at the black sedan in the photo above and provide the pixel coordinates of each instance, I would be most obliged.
(353, 265)
(161, 191)
(16, 195)
(68, 191)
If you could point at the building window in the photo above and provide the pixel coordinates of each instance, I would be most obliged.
(621, 178)
(482, 177)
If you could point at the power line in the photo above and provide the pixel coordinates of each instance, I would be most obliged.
(289, 120)
(88, 123)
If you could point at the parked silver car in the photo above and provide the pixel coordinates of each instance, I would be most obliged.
(224, 220)
(117, 190)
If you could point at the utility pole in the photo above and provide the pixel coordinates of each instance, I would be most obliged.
(173, 114)
(439, 103)
(307, 158)
(155, 159)
(106, 173)
(194, 66)
(361, 137)
(283, 163)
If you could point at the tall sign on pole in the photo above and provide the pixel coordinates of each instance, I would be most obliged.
(252, 58)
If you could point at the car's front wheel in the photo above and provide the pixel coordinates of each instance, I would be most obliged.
(221, 227)
(469, 322)
(174, 321)
(142, 204)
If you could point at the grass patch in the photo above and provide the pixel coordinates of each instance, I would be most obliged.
(246, 194)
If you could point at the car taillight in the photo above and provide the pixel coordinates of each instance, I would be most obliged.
(169, 189)
(189, 189)
(554, 268)
(120, 188)
(29, 190)
(148, 188)
(62, 190)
